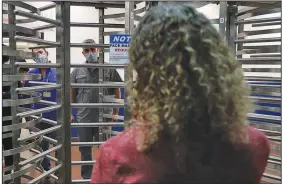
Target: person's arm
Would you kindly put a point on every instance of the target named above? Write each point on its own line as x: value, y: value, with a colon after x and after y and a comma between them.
x: 73, y: 91
x: 116, y: 78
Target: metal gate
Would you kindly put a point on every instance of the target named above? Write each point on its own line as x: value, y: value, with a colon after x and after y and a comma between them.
x: 233, y: 22
x: 253, y: 31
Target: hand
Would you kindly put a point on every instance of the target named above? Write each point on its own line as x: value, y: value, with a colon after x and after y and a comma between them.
x: 114, y: 117
x: 72, y: 118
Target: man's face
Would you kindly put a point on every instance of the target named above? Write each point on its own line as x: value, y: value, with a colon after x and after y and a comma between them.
x: 42, y: 52
x: 90, y: 50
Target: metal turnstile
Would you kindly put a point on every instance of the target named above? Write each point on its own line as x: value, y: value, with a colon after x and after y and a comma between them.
x: 239, y: 24
x: 253, y: 31
x: 20, y: 170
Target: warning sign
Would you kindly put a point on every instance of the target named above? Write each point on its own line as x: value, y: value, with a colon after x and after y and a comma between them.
x: 119, y: 46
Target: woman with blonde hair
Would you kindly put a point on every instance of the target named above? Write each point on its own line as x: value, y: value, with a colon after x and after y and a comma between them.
x: 191, y: 100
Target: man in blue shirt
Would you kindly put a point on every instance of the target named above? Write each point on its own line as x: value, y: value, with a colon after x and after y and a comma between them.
x: 47, y: 75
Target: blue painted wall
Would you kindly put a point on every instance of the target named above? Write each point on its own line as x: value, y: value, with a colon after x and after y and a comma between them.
x: 74, y: 131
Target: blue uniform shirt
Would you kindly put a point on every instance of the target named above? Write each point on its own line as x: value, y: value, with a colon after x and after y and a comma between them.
x: 49, y: 77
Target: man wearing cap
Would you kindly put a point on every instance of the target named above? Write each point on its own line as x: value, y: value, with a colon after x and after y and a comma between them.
x: 91, y: 95
x: 48, y: 75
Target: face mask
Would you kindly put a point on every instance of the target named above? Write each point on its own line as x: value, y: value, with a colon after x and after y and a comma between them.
x: 41, y: 58
x: 91, y: 58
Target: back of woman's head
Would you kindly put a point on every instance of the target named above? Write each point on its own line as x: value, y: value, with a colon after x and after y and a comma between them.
x: 188, y: 83
x: 189, y: 88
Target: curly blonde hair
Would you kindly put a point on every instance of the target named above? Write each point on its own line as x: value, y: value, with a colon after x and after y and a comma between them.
x: 189, y: 87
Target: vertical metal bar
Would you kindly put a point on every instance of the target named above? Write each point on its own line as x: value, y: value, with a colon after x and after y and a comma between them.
x: 223, y: 18
x: 63, y: 94
x: 232, y: 31
x: 101, y: 71
x: 129, y: 28
x: 14, y: 95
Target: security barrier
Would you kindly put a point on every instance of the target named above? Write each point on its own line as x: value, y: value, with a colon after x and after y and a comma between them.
x: 254, y: 33
x: 236, y: 25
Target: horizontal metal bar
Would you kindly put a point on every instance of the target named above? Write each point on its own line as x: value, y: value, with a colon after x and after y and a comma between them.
x: 40, y: 46
x: 104, y: 66
x: 52, y: 141
x: 258, y: 40
x: 36, y: 41
x: 266, y: 99
x: 266, y: 55
x: 103, y: 85
x: 17, y: 53
x: 42, y: 132
x: 37, y: 17
x: 45, y: 174
x: 98, y: 5
x: 111, y: 33
x: 260, y: 59
x: 36, y: 157
x: 99, y: 25
x: 35, y: 88
x: 18, y: 29
x: 270, y: 176
x: 275, y: 158
x: 97, y: 124
x: 278, y: 139
x: 81, y: 181
x: 47, y: 102
x: 20, y: 77
x: 47, y: 7
x: 86, y: 143
x: 265, y: 85
x: 23, y: 5
x: 89, y: 45
x: 47, y: 156
x: 38, y: 111
x: 43, y: 27
x: 258, y: 20
x: 274, y: 162
x: 38, y: 65
x: 267, y: 24
x: 97, y: 105
x: 83, y: 162
x: 51, y: 122
x: 264, y: 117
x: 39, y: 82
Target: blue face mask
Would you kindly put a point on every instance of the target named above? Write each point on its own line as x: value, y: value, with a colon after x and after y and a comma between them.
x: 91, y: 57
x: 41, y: 59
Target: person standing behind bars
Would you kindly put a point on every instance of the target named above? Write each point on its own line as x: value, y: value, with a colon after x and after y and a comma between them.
x: 90, y: 95
x: 47, y: 75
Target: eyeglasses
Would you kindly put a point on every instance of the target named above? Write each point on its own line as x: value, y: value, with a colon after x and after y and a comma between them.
x: 90, y: 49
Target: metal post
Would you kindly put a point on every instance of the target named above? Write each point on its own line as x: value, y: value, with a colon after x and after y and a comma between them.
x: 223, y: 18
x: 14, y: 95
x: 231, y: 27
x: 129, y: 28
x: 63, y: 94
x: 101, y: 70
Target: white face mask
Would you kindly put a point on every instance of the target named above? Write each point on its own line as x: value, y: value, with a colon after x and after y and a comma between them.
x: 91, y: 58
x: 41, y: 59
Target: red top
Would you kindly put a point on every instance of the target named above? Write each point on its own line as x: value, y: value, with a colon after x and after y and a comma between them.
x: 120, y: 162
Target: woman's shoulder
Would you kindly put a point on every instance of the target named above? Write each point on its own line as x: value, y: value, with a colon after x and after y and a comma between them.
x: 257, y: 138
x: 124, y: 140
